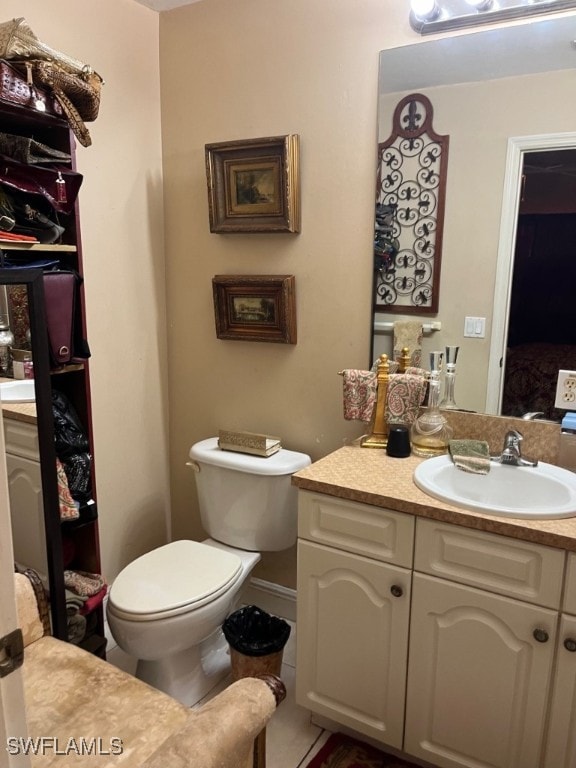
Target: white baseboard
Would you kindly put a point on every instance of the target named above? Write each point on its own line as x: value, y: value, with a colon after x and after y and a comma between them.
x: 272, y: 598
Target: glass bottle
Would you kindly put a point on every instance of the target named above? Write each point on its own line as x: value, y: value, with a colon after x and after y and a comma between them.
x: 430, y: 433
x: 448, y: 402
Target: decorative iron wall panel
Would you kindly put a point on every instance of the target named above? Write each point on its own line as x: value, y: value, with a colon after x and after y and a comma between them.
x: 410, y: 192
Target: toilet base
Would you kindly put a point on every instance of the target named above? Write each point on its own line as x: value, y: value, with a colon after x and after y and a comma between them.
x: 190, y: 675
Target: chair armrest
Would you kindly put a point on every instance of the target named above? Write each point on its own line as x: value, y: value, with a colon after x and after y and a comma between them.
x: 221, y: 733
x: 32, y: 606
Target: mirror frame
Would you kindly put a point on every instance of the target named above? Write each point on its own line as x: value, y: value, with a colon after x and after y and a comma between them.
x: 33, y: 280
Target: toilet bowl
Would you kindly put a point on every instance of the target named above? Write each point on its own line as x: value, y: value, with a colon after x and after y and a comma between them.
x: 166, y: 608
x: 169, y: 620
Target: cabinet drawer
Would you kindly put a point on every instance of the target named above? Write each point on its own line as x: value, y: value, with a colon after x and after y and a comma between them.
x: 21, y: 439
x: 527, y: 571
x: 359, y: 528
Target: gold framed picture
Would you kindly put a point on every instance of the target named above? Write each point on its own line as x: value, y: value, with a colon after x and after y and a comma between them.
x: 253, y: 185
x: 255, y: 307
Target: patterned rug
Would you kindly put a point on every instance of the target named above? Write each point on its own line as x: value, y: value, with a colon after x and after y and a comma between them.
x: 343, y: 752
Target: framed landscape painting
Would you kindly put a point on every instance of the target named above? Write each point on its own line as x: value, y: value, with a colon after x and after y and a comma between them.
x: 255, y: 307
x: 253, y: 185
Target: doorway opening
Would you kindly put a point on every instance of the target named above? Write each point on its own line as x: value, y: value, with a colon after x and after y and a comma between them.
x: 534, y: 320
x: 541, y: 336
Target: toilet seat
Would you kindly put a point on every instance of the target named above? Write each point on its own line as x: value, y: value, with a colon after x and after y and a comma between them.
x: 173, y: 579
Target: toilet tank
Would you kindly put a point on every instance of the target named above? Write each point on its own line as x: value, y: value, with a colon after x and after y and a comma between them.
x: 247, y: 501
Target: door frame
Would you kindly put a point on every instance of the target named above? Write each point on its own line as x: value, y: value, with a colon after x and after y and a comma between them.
x: 518, y: 146
x: 12, y: 709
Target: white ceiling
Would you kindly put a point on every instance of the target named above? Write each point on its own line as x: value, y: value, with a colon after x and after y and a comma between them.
x: 165, y: 5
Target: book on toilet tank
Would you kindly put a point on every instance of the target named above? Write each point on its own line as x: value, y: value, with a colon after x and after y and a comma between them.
x: 248, y: 442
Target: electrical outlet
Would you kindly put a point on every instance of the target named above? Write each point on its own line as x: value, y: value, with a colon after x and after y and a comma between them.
x: 566, y: 390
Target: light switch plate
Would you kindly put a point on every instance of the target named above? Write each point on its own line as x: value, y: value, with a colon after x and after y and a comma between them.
x: 566, y: 390
x: 475, y: 327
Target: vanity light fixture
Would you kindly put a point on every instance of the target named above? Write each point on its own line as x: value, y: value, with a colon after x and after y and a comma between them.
x: 431, y: 16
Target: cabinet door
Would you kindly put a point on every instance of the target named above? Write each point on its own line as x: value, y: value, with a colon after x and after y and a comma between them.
x: 27, y: 512
x: 561, y: 741
x: 478, y: 680
x: 352, y: 622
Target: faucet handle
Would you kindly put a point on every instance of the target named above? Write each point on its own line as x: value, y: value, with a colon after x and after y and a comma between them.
x: 513, y: 438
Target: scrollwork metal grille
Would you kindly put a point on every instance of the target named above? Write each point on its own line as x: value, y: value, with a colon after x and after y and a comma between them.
x: 410, y: 193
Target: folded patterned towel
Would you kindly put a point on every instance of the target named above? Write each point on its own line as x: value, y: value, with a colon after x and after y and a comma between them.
x: 83, y: 583
x: 359, y: 393
x: 404, y: 397
x: 470, y: 456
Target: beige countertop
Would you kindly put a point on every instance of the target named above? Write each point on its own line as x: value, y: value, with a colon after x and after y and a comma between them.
x: 369, y: 476
x: 20, y: 412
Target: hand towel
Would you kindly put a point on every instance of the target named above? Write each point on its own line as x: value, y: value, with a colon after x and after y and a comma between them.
x: 94, y: 601
x: 408, y: 333
x: 470, y: 456
x: 86, y: 584
x: 404, y: 397
x: 76, y: 626
x: 74, y: 602
x: 359, y: 393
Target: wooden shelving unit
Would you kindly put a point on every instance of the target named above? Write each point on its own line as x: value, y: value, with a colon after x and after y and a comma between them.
x: 73, y: 544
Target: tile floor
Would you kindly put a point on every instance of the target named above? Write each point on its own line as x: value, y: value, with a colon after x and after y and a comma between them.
x: 291, y: 739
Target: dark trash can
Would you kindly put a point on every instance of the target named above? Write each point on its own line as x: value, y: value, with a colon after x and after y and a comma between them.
x: 256, y: 642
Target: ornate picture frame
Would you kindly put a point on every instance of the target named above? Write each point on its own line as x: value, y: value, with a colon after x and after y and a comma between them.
x: 254, y: 185
x: 255, y: 307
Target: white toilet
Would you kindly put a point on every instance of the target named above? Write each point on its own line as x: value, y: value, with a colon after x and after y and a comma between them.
x: 167, y: 607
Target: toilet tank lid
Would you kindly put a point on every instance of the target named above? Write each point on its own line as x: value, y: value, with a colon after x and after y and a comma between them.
x: 283, y: 462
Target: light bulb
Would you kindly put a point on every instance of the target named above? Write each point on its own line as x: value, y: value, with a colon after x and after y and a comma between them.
x: 425, y: 9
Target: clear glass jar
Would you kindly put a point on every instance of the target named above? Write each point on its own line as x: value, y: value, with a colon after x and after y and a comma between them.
x: 430, y: 433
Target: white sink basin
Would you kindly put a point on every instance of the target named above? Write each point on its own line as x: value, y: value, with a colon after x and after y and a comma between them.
x: 18, y: 391
x: 536, y: 493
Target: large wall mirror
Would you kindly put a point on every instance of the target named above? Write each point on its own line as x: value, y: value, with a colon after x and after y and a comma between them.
x: 505, y: 98
x: 43, y: 528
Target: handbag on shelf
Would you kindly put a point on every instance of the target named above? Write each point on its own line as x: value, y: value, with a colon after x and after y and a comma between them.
x: 56, y: 183
x: 75, y: 85
x: 24, y: 149
x: 20, y: 222
x: 18, y: 89
x: 18, y: 41
x: 63, y: 320
x: 77, y: 94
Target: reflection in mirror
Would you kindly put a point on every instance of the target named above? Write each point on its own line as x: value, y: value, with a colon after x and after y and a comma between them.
x: 489, y: 89
x: 543, y: 279
x: 26, y: 319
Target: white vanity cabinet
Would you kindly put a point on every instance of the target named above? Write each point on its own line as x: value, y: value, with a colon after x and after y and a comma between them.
x: 26, y: 499
x: 480, y: 658
x: 455, y: 671
x: 561, y: 739
x: 354, y: 576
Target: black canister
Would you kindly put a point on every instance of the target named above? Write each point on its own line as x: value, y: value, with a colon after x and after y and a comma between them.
x: 398, y: 445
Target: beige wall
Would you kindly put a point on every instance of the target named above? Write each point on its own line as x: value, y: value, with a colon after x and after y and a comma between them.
x: 227, y: 69
x: 234, y: 70
x: 480, y: 118
x: 122, y: 231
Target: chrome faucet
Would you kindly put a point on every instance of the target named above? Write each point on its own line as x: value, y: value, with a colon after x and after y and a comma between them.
x: 512, y: 453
